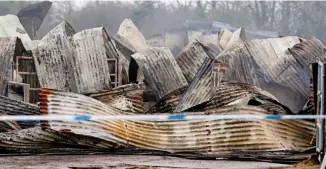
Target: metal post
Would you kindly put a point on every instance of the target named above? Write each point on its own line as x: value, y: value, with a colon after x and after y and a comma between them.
x: 320, y: 107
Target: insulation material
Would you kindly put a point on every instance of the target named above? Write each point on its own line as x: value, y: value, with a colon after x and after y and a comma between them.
x: 161, y: 72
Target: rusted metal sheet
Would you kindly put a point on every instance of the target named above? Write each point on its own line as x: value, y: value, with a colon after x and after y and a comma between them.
x: 168, y: 103
x: 201, y: 87
x: 268, y: 65
x: 16, y: 107
x: 8, y: 125
x: 190, y: 59
x: 161, y: 71
x: 128, y: 98
x: 76, y: 62
x: 10, y: 47
x: 53, y: 59
x: 91, y: 50
x: 36, y: 139
x: 215, y: 138
x: 308, y: 51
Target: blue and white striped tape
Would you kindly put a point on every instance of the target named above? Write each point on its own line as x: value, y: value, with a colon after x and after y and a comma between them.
x: 158, y: 117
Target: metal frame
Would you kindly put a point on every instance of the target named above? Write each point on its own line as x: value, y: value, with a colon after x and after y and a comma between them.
x: 116, y: 82
x: 24, y: 73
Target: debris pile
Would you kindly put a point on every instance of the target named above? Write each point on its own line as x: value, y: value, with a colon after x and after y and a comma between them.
x: 89, y: 73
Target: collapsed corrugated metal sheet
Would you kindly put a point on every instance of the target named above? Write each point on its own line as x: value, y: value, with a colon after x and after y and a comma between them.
x: 136, y: 72
x: 308, y: 51
x: 31, y: 17
x: 10, y: 47
x: 191, y: 58
x: 128, y: 98
x: 76, y: 62
x: 10, y: 26
x: 169, y: 102
x: 35, y: 140
x: 129, y: 39
x: 52, y: 59
x: 161, y: 71
x: 8, y: 125
x: 236, y: 38
x: 250, y: 62
x: 217, y: 138
x: 224, y: 36
x: 91, y: 50
x: 15, y: 107
x: 123, y: 69
x: 200, y: 89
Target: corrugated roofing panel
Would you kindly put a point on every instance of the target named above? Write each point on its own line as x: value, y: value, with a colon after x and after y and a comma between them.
x: 91, y: 50
x: 309, y: 51
x: 16, y: 107
x: 53, y: 59
x: 268, y: 65
x: 215, y: 138
x: 127, y: 98
x: 162, y: 72
x: 130, y: 37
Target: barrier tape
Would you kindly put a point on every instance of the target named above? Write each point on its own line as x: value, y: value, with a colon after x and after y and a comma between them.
x: 157, y: 117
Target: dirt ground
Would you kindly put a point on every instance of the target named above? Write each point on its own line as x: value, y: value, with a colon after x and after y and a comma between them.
x: 307, y: 164
x: 125, y: 162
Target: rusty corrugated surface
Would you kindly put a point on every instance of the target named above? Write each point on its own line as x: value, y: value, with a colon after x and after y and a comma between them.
x: 268, y: 64
x: 201, y: 88
x: 8, y: 125
x: 53, y: 59
x: 16, y: 107
x: 161, y: 71
x: 217, y: 138
x: 127, y: 98
x: 34, y: 140
x: 169, y: 102
x: 190, y: 59
x: 309, y: 51
x: 91, y: 48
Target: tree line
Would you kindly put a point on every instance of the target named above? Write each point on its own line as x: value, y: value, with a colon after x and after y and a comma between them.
x: 301, y: 18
